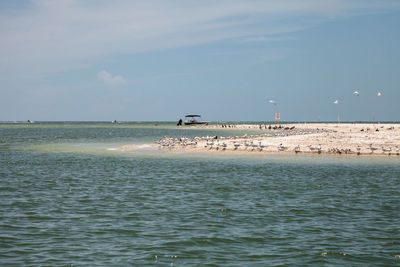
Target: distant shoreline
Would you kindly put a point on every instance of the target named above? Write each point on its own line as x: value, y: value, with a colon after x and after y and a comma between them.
x: 212, y: 123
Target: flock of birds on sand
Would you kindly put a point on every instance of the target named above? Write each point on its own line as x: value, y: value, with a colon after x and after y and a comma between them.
x: 250, y: 143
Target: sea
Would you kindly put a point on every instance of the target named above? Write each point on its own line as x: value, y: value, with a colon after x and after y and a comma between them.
x: 69, y: 197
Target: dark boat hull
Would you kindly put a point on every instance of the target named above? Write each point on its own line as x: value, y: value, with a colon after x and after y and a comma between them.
x: 196, y: 123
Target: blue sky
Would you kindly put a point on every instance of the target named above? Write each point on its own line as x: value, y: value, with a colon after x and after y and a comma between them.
x: 159, y: 60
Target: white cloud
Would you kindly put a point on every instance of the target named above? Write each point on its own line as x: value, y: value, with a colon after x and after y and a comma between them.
x: 109, y: 79
x: 50, y: 35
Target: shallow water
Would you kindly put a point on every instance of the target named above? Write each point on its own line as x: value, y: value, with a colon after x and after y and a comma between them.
x: 66, y: 199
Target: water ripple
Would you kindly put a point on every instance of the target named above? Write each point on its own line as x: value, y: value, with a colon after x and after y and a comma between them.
x: 99, y: 209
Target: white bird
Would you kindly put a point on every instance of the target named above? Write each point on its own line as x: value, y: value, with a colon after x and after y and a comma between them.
x: 236, y: 145
x: 336, y: 102
x: 273, y: 102
x: 372, y: 148
x: 246, y: 144
x: 281, y: 147
x: 356, y: 93
x: 217, y: 145
x: 210, y: 144
x: 253, y: 146
x: 260, y: 146
x: 224, y: 145
x: 379, y: 94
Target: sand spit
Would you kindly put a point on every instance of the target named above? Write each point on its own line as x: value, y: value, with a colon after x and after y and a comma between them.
x: 331, y: 138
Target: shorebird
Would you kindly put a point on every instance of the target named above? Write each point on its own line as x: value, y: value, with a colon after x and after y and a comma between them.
x: 260, y: 146
x: 236, y: 145
x: 246, y: 144
x: 224, y: 146
x: 386, y: 149
x: 297, y: 149
x: 358, y: 149
x: 281, y: 147
x: 210, y: 144
x: 372, y: 148
x: 217, y: 145
x: 253, y: 146
x: 397, y: 150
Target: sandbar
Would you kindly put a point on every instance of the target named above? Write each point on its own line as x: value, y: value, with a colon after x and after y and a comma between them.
x: 379, y: 139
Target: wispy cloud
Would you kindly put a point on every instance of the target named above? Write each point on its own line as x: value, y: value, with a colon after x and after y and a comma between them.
x: 56, y: 35
x: 109, y: 79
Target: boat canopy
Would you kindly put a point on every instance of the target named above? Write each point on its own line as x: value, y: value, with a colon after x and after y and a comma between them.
x: 192, y: 116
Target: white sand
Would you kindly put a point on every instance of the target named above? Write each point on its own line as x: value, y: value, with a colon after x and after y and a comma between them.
x: 334, y: 138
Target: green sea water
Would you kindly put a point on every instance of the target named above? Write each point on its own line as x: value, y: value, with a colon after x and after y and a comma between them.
x: 68, y: 199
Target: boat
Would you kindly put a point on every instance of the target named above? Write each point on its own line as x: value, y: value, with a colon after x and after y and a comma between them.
x: 194, y: 120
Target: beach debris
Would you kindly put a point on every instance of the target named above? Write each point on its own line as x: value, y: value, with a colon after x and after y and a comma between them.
x: 356, y: 93
x: 273, y: 102
x: 336, y: 102
x: 379, y: 93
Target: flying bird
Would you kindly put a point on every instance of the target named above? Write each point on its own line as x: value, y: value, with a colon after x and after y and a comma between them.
x: 272, y: 102
x: 356, y: 93
x: 336, y: 102
x: 379, y: 94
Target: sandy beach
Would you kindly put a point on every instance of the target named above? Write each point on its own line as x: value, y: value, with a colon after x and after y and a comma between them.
x: 332, y: 138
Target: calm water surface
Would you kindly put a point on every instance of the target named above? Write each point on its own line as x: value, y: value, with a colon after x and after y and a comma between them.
x: 65, y: 199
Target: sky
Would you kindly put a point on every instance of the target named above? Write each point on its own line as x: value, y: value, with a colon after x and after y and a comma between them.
x: 157, y: 60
